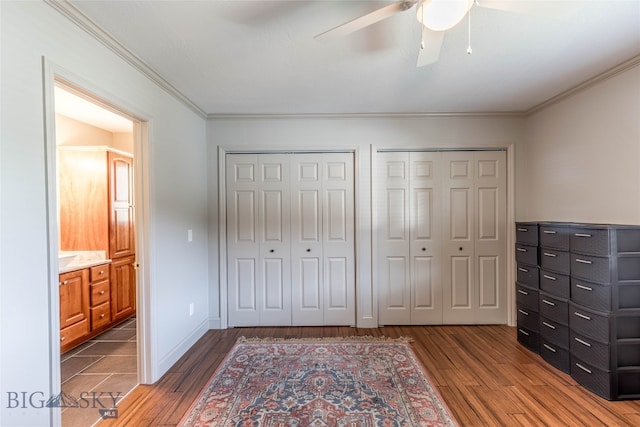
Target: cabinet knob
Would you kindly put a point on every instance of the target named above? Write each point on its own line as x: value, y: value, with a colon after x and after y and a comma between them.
x: 101, y: 292
x: 62, y: 338
x: 102, y: 316
x: 64, y: 282
x: 101, y: 272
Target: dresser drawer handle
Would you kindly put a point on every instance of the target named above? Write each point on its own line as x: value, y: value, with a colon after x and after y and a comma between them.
x: 101, y: 292
x: 521, y: 250
x: 549, y: 277
x: 101, y: 272
x: 586, y: 288
x: 582, y: 235
x: 549, y: 348
x: 583, y: 261
x: 523, y: 292
x: 524, y: 332
x: 550, y: 255
x: 523, y: 312
x: 524, y: 230
x: 102, y: 316
x: 549, y: 325
x: 549, y: 232
x: 524, y: 270
x: 582, y: 315
x: 583, y: 342
x: 548, y: 303
x: 588, y: 371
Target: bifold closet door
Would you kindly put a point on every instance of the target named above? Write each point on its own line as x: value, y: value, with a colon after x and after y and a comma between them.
x: 258, y: 237
x: 290, y: 239
x: 474, y: 240
x: 322, y: 239
x: 410, y: 289
x: 442, y: 236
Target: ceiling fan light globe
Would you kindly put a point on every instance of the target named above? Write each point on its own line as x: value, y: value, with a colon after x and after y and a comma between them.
x: 441, y: 15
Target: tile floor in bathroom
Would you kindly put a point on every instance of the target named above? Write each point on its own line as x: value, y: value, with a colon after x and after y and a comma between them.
x: 99, y: 372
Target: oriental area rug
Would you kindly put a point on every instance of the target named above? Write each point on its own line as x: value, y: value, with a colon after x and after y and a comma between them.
x: 350, y: 382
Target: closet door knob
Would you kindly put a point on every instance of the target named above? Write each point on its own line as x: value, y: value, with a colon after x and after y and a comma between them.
x: 308, y: 250
x: 460, y: 248
x: 424, y: 249
x: 271, y: 250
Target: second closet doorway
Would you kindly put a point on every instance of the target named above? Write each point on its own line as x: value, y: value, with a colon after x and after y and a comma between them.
x: 290, y: 239
x: 442, y: 237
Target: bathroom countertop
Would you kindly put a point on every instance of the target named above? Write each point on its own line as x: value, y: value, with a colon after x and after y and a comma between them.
x: 77, y: 260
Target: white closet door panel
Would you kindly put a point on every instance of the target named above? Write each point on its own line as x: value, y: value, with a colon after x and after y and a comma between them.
x: 490, y: 248
x: 424, y: 233
x: 306, y: 239
x: 458, y: 237
x: 338, y: 239
x: 394, y: 280
x: 243, y: 253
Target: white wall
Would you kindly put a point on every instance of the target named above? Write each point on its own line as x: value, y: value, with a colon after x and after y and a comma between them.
x: 583, y: 156
x: 176, y: 173
x: 362, y: 134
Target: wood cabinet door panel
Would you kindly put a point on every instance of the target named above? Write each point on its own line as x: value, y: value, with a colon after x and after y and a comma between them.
x: 123, y: 288
x: 74, y: 297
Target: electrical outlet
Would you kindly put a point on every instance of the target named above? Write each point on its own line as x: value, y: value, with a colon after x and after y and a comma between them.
x: 191, y: 309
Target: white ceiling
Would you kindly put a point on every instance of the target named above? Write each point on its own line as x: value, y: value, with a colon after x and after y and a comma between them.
x: 260, y: 57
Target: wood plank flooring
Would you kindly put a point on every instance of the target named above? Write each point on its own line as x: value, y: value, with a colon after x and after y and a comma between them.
x: 483, y: 374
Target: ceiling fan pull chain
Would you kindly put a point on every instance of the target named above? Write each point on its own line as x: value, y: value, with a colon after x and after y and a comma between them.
x: 469, y: 50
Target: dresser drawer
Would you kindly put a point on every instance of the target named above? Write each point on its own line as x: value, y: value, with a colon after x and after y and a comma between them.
x: 591, y: 351
x: 589, y: 323
x: 594, y: 241
x: 526, y: 254
x: 597, y: 380
x: 555, y: 284
x: 552, y: 236
x: 528, y: 319
x: 555, y: 355
x: 100, y: 315
x: 526, y: 297
x: 74, y: 332
x: 591, y: 268
x: 99, y: 293
x: 554, y: 332
x: 591, y: 295
x: 527, y: 233
x: 528, y: 275
x: 99, y: 272
x: 553, y: 308
x: 555, y: 260
x: 529, y: 339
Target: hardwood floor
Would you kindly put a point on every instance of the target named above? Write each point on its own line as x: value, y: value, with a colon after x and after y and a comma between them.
x: 483, y: 374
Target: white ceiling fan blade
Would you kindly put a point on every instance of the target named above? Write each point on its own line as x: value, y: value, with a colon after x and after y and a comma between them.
x: 368, y: 19
x: 542, y: 9
x: 429, y: 46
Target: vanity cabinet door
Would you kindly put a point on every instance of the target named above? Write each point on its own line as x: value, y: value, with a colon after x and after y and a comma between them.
x: 123, y: 288
x: 74, y: 306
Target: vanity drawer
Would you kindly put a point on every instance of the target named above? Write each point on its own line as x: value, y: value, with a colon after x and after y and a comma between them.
x: 528, y: 275
x: 555, y: 260
x: 591, y: 295
x: 554, y: 332
x: 555, y: 284
x: 528, y: 319
x: 556, y: 356
x: 526, y: 297
x: 527, y: 233
x: 99, y: 293
x: 590, y: 323
x: 554, y: 237
x: 99, y: 272
x: 553, y: 308
x: 73, y: 332
x: 526, y: 254
x: 100, y: 315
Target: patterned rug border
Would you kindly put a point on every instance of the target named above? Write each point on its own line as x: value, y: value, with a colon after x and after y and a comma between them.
x: 242, y: 340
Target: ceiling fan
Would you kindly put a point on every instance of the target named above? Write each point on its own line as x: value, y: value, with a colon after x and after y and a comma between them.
x: 435, y: 16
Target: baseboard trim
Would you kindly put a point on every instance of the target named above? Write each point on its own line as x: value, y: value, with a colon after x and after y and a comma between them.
x: 166, y: 362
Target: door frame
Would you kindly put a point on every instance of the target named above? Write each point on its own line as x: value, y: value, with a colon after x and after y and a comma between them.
x: 222, y: 221
x: 510, y: 237
x: 52, y: 74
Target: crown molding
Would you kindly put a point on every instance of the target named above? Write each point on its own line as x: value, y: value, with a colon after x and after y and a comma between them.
x: 91, y: 28
x: 232, y: 116
x: 611, y: 72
